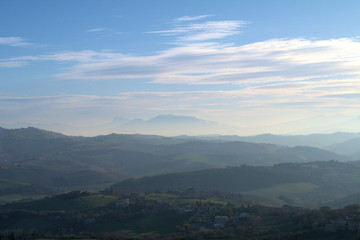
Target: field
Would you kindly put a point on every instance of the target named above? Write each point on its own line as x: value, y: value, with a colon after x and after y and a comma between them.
x: 68, y: 203
x: 288, y: 188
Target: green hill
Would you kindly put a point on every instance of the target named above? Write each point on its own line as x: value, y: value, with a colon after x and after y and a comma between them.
x: 350, y: 147
x: 177, y: 215
x: 57, y: 163
x: 345, y: 201
x: 73, y: 201
x: 309, y: 185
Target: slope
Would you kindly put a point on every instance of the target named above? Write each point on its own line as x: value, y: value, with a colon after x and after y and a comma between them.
x: 61, y: 163
x: 309, y: 184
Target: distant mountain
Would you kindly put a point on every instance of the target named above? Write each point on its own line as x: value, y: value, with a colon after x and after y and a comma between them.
x: 308, y: 185
x: 168, y: 119
x: 313, y: 140
x: 350, y: 148
x: 341, y: 143
x: 169, y: 125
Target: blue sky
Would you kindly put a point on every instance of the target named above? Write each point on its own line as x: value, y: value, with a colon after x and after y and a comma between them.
x: 276, y: 66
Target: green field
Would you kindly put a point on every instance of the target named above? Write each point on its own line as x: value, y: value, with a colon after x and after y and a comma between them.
x: 68, y: 204
x: 192, y: 158
x: 160, y: 223
x: 281, y: 189
x: 171, y: 198
x: 6, y: 184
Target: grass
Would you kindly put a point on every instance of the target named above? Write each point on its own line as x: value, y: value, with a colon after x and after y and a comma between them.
x: 54, y: 204
x: 97, y: 200
x: 199, y: 158
x: 207, y: 200
x: 287, y: 188
x: 142, y: 225
x: 171, y: 198
x: 91, y: 187
x: 11, y: 197
x: 161, y: 197
x: 191, y: 158
x: 267, y: 201
x: 8, y: 198
x: 163, y: 223
x: 6, y: 184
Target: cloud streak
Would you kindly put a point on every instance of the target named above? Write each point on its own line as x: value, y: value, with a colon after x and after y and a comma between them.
x: 272, y: 78
x: 98, y: 30
x: 14, y: 42
x: 205, y: 31
x: 193, y: 18
x: 265, y: 62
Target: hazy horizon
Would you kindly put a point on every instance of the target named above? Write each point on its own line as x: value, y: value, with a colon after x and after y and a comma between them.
x: 145, y: 127
x: 248, y: 67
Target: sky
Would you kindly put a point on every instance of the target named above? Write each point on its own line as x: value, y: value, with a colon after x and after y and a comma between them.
x: 280, y: 66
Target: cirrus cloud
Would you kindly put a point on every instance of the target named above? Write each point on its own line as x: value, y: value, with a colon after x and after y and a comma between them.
x: 192, y: 18
x: 198, y: 60
x: 277, y: 85
x: 14, y: 41
x: 208, y: 63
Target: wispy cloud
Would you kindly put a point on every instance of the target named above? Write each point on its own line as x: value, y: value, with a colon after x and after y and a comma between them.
x: 259, y: 63
x: 193, y: 18
x: 98, y: 30
x: 12, y: 64
x: 103, y: 32
x: 14, y: 41
x: 270, y: 79
x: 270, y: 61
x: 205, y: 31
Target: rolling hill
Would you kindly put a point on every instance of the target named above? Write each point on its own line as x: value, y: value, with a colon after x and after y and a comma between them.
x: 58, y: 163
x: 323, y: 141
x: 349, y: 148
x: 307, y: 185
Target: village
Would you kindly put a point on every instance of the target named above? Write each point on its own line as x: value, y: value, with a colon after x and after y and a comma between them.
x: 176, y: 214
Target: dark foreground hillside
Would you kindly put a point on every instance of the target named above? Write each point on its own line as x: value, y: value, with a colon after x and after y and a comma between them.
x: 174, y: 215
x: 308, y: 184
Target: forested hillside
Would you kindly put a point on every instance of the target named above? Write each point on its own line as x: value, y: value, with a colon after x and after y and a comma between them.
x: 52, y: 163
x: 309, y: 185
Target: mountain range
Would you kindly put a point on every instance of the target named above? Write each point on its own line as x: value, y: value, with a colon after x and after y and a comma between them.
x: 170, y: 125
x: 339, y: 142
